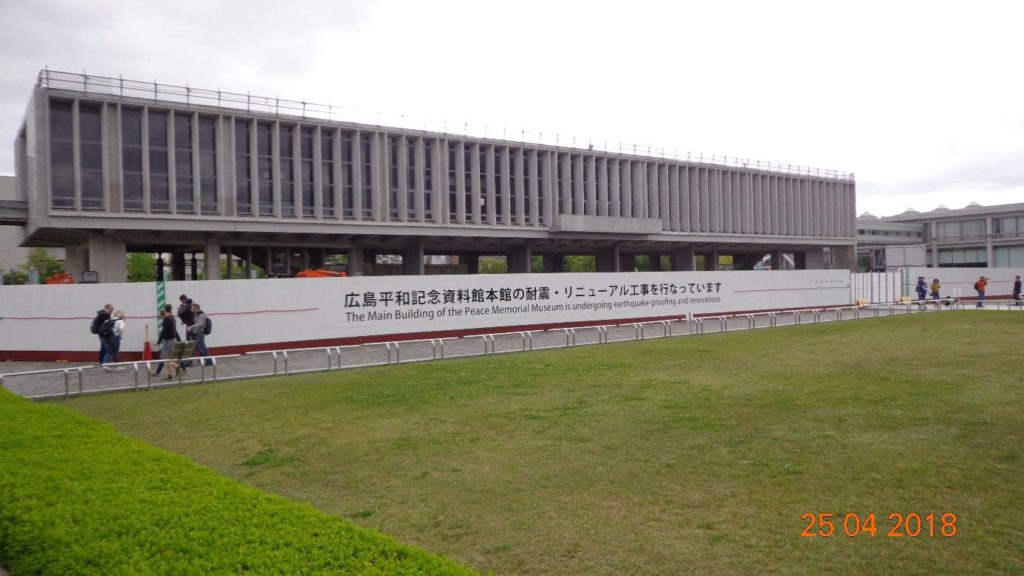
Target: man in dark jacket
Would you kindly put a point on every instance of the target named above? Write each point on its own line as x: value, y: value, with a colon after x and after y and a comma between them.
x: 167, y: 337
x: 1016, y: 290
x: 186, y: 315
x: 101, y: 317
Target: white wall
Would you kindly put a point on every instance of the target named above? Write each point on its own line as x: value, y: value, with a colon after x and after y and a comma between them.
x: 254, y: 312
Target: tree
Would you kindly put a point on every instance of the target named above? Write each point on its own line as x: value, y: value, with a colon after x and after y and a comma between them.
x: 238, y: 271
x: 493, y: 265
x: 141, y: 267
x: 580, y: 264
x: 41, y: 260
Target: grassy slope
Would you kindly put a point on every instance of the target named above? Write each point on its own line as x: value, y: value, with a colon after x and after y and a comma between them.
x: 77, y: 498
x: 683, y: 455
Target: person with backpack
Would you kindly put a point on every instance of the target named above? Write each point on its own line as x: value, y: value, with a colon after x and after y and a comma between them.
x: 114, y: 327
x: 200, y: 329
x: 102, y: 316
x: 107, y: 333
x: 1016, y: 290
x: 980, y: 286
x: 186, y: 315
x: 166, y: 339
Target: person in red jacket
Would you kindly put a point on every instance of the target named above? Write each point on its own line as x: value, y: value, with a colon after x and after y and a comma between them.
x: 980, y: 286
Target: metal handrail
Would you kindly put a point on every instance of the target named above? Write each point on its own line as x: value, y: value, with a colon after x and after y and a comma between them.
x: 438, y: 348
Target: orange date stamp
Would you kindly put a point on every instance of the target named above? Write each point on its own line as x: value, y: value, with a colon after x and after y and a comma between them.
x: 852, y: 525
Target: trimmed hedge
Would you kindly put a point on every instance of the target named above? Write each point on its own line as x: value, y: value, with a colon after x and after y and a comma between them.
x: 78, y: 498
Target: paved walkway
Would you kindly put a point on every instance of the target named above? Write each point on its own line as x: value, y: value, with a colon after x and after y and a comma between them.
x: 72, y: 379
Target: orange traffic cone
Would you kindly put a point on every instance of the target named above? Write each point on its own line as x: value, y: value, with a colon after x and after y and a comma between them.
x: 147, y: 351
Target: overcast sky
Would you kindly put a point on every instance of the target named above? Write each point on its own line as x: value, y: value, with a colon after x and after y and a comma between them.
x: 923, y: 101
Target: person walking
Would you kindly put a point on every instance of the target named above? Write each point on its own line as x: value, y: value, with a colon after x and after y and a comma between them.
x: 980, y: 286
x: 113, y: 330
x: 198, y: 330
x: 102, y: 315
x: 166, y: 339
x: 186, y: 315
x: 935, y: 289
x: 1016, y: 290
x: 922, y: 288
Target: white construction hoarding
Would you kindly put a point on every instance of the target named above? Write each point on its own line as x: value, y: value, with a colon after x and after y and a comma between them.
x: 253, y: 314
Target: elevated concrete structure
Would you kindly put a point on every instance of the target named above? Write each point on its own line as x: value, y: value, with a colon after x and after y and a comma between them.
x: 109, y: 165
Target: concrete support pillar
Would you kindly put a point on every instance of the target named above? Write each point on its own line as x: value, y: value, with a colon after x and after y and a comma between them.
x: 177, y: 266
x: 520, y: 259
x: 817, y: 259
x: 412, y: 258
x: 843, y: 259
x: 554, y: 262
x: 248, y: 263
x: 627, y: 262
x: 76, y: 261
x: 935, y: 243
x: 317, y: 258
x: 211, y: 260
x: 607, y: 260
x: 194, y: 264
x: 684, y: 260
x: 356, y: 258
x: 712, y: 264
x: 472, y: 262
x: 230, y: 263
x: 800, y: 261
x: 109, y: 259
x: 777, y: 260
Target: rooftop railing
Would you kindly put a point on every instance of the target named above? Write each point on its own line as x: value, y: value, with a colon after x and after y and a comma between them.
x: 188, y: 95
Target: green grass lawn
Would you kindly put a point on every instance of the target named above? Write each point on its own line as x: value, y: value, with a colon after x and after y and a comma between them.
x: 687, y: 455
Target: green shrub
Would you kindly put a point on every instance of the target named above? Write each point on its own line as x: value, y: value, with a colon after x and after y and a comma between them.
x: 78, y: 498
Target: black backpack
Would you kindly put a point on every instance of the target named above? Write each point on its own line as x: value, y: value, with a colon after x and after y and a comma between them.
x: 107, y: 328
x: 208, y: 327
x: 97, y: 322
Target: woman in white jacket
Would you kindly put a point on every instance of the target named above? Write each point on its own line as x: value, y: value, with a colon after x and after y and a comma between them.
x: 115, y: 341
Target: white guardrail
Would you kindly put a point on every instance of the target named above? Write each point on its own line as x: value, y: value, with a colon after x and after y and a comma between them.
x: 139, y: 375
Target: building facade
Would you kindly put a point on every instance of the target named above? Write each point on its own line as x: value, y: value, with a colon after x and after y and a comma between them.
x: 106, y: 166
x: 975, y: 236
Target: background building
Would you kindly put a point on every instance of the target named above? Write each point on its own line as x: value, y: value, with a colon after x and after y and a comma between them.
x: 107, y: 166
x: 971, y: 237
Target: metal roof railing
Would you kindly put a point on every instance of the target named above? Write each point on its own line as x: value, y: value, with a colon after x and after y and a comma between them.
x: 188, y: 95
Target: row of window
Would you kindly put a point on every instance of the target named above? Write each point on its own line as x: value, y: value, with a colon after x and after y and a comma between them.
x: 1002, y: 227
x: 889, y: 233
x: 481, y: 179
x: 1003, y: 257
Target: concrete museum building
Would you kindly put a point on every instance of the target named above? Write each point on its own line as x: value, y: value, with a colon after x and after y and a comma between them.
x: 107, y: 166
